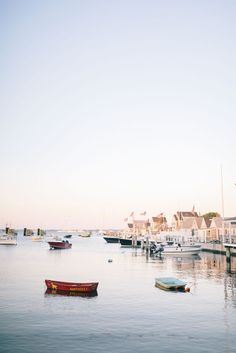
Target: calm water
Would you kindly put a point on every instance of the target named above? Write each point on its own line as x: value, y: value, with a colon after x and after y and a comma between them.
x: 129, y: 314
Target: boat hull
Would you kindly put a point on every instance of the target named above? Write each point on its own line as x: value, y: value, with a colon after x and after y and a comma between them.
x: 71, y: 286
x: 111, y: 239
x: 8, y: 242
x: 170, y: 283
x: 128, y: 242
x: 182, y: 250
x: 59, y: 245
x: 71, y: 294
x: 37, y: 238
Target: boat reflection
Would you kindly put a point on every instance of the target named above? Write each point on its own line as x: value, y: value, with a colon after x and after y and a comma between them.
x: 186, y: 258
x: 70, y: 294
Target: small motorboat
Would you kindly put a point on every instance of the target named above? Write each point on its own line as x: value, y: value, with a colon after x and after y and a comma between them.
x: 175, y: 249
x: 9, y: 237
x: 171, y: 283
x: 8, y: 240
x: 71, y: 286
x: 63, y: 244
x: 85, y: 233
x: 68, y: 236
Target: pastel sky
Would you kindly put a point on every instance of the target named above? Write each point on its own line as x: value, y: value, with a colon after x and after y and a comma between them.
x: 109, y: 107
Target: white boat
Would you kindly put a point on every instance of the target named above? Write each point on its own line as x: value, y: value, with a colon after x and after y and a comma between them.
x: 9, y: 237
x: 6, y: 239
x: 84, y: 233
x: 175, y: 249
x: 181, y: 249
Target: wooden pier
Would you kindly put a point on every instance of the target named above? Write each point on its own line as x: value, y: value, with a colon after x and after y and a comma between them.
x: 229, y: 248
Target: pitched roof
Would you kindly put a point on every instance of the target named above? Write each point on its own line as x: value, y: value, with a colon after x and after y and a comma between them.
x: 187, y: 223
x: 139, y: 221
x: 159, y: 219
x: 198, y: 221
x: 208, y: 222
x: 183, y: 214
x: 216, y: 221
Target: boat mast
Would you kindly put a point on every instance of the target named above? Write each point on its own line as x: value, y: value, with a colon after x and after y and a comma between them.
x: 223, y: 210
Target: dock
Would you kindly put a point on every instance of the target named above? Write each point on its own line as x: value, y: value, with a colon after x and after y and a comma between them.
x: 230, y: 251
x: 218, y: 248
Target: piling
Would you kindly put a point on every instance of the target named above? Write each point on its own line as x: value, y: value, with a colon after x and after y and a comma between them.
x: 228, y: 258
x: 134, y: 241
x: 142, y: 244
x: 147, y: 245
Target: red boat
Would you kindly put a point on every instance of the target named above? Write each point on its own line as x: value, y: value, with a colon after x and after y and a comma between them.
x: 64, y: 244
x: 55, y: 292
x: 72, y: 286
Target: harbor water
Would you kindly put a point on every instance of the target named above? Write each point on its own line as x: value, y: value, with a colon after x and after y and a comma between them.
x: 128, y: 314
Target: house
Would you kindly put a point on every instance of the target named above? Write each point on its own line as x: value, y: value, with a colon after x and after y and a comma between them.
x: 137, y: 226
x: 223, y: 230
x: 158, y: 224
x: 215, y: 229
x: 204, y: 232
x: 181, y: 217
x: 143, y: 224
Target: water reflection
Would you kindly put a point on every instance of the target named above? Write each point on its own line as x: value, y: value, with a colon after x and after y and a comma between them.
x: 70, y: 294
x: 205, y: 266
x: 230, y: 288
x: 185, y: 258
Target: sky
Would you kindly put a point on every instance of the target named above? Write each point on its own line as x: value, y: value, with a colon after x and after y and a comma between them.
x: 109, y: 107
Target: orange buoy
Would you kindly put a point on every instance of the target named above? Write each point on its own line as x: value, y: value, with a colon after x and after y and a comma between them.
x: 187, y: 289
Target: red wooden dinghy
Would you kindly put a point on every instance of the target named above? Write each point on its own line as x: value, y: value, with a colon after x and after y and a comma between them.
x: 64, y: 244
x: 54, y: 292
x: 72, y: 286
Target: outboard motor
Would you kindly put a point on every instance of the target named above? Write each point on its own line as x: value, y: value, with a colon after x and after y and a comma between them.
x: 154, y: 249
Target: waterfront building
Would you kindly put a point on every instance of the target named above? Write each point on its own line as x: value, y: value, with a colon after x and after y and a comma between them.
x: 204, y: 229
x: 138, y: 226
x: 204, y: 232
x: 158, y: 224
x: 141, y: 224
x: 185, y: 226
x: 223, y: 229
x: 181, y: 218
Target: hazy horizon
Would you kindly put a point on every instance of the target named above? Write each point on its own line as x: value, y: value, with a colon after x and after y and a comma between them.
x: 113, y: 107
